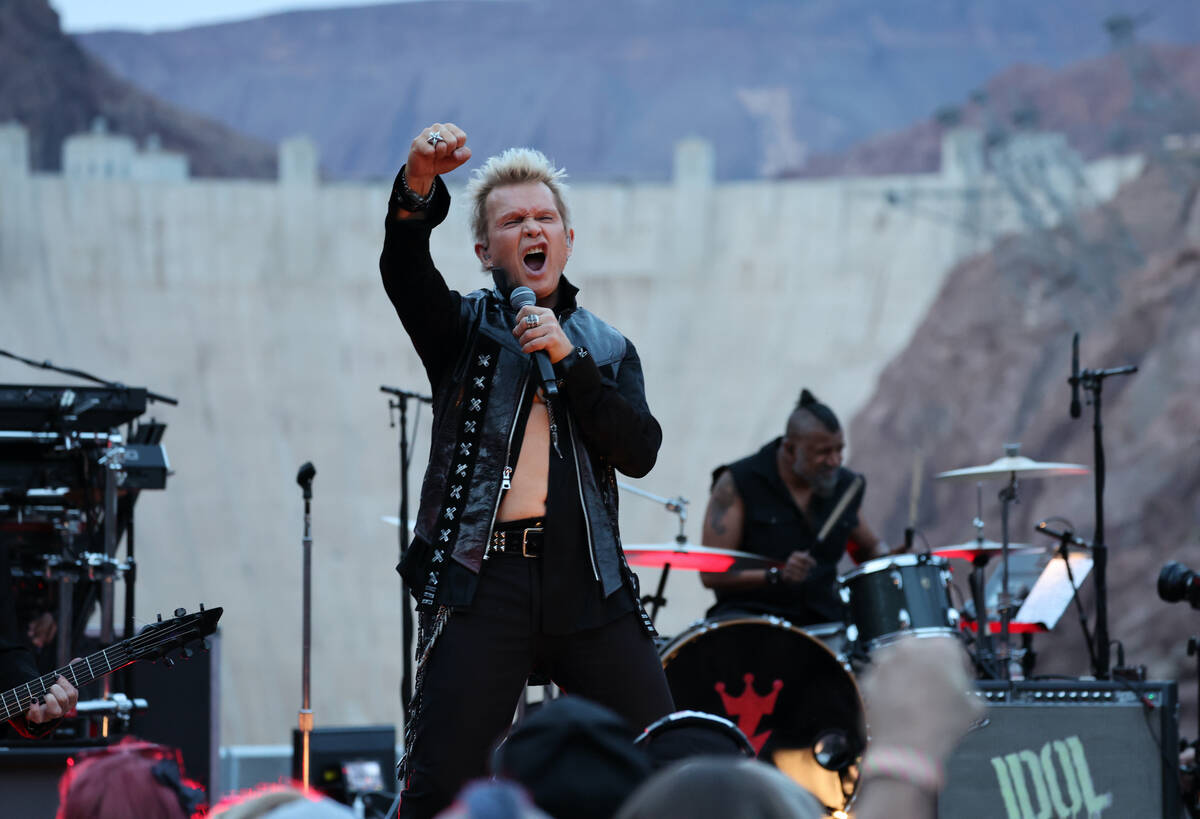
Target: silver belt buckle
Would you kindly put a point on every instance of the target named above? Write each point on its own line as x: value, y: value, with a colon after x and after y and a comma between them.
x: 525, y: 540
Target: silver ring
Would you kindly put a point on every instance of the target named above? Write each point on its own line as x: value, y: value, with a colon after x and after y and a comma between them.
x: 434, y: 138
x: 533, y: 320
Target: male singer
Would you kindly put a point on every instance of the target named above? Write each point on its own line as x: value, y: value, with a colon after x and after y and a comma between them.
x: 516, y: 564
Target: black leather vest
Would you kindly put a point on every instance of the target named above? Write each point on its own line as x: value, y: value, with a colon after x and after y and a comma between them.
x: 475, y: 409
x: 775, y: 527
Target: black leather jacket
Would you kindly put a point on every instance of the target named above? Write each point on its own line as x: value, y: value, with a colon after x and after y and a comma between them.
x: 478, y: 374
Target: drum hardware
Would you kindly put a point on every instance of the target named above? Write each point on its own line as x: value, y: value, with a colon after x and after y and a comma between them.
x: 678, y: 506
x: 1009, y: 467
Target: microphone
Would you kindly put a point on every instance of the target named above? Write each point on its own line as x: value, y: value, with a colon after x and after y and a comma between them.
x: 305, y: 477
x: 523, y: 297
x: 1076, y: 409
x: 1066, y: 537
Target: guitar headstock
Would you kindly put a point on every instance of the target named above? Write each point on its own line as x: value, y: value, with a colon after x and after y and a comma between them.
x: 157, y: 639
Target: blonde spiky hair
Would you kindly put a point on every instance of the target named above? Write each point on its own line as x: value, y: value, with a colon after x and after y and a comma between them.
x: 513, y: 167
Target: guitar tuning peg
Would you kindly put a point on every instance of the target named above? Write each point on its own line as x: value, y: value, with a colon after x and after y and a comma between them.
x: 160, y: 617
x: 205, y: 645
x: 180, y: 612
x: 188, y: 653
x: 201, y: 607
x: 168, y: 662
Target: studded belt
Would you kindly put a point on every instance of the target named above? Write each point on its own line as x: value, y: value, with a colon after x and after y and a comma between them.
x: 523, y: 541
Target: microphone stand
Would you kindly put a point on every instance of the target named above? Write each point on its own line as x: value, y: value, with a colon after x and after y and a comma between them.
x: 406, y: 618
x: 116, y: 385
x: 1093, y: 382
x: 305, y: 478
x: 1066, y: 539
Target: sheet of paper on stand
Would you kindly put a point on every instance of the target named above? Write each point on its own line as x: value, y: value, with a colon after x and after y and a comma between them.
x: 1052, y: 593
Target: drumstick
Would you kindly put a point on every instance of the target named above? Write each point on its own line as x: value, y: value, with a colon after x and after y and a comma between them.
x: 914, y: 489
x: 842, y: 503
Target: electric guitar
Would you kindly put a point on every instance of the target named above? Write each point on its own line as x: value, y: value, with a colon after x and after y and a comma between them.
x: 151, y: 643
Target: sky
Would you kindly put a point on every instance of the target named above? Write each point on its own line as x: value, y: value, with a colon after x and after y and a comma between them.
x: 150, y: 15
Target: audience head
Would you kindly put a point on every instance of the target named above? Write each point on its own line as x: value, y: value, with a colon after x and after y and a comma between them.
x: 576, y: 758
x: 687, y: 734
x: 721, y: 788
x: 492, y: 800
x: 279, y: 802
x: 131, y: 778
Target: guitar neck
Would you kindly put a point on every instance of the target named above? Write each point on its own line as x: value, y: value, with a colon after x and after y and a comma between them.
x: 17, y: 701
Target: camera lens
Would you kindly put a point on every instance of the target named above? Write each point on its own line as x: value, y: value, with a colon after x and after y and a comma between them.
x: 1173, y: 581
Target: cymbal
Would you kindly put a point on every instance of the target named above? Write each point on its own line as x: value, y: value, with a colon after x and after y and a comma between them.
x: 1011, y: 465
x: 697, y: 558
x: 974, y: 548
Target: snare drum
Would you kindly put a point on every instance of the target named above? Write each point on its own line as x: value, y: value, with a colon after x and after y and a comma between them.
x: 786, y: 691
x: 896, y: 595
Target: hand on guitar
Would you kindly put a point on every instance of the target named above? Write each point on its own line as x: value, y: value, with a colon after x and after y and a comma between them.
x: 58, y: 702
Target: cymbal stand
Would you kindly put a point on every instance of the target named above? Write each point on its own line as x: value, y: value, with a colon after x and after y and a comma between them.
x: 678, y: 505
x: 985, y: 654
x: 1008, y: 496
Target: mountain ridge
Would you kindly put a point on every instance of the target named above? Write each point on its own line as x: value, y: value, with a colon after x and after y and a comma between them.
x: 55, y: 89
x: 606, y: 87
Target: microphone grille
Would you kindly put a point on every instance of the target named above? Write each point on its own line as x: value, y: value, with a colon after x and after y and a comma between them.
x: 521, y: 297
x: 306, y: 474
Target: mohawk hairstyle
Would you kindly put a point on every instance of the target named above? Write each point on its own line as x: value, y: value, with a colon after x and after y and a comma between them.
x: 822, y: 413
x: 513, y: 167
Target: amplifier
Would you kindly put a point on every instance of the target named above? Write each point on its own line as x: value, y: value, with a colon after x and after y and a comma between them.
x: 1059, y: 749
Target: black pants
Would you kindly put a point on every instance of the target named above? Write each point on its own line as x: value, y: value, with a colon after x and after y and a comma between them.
x: 479, y: 666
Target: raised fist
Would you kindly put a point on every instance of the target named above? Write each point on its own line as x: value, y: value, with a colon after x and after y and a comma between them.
x: 437, y: 150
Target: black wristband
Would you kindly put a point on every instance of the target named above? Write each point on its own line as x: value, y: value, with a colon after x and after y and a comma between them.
x: 410, y: 200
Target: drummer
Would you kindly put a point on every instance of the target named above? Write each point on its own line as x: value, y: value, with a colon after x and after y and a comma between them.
x: 792, y: 502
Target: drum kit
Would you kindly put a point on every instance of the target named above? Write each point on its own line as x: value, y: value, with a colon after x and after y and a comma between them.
x: 791, y: 689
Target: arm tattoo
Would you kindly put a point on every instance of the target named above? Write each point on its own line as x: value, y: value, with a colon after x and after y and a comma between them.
x: 723, y: 498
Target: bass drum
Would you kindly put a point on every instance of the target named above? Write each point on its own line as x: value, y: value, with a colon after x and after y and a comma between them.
x: 787, y: 692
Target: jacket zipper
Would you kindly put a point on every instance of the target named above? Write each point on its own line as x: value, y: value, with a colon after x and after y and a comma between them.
x: 507, y: 474
x: 587, y: 524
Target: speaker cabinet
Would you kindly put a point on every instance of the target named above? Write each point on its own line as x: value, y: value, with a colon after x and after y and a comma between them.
x: 346, y: 760
x: 183, y: 709
x: 1053, y: 750
x: 29, y: 774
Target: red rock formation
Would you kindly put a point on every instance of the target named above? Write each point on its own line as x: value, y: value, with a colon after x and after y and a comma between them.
x: 989, y: 365
x: 53, y: 87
